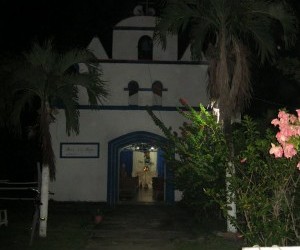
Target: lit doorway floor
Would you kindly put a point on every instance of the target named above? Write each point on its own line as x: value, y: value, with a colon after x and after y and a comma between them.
x: 143, y: 196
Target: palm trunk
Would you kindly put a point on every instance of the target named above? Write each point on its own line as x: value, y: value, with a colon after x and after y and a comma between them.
x: 48, y: 166
x: 225, y: 111
x: 231, y: 212
x: 44, y: 201
x: 230, y: 170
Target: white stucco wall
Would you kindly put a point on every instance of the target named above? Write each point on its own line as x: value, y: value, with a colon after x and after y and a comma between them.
x: 125, y: 47
x: 80, y: 179
x: 121, y: 41
x: 97, y: 49
x: 86, y: 179
x: 181, y: 81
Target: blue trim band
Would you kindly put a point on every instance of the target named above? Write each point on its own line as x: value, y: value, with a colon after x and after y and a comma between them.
x: 146, y: 89
x: 152, y: 62
x: 132, y: 107
x: 133, y: 28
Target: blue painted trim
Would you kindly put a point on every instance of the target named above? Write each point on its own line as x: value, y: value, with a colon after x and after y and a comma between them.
x: 146, y: 89
x: 114, y: 147
x: 131, y: 107
x: 79, y: 143
x: 152, y: 62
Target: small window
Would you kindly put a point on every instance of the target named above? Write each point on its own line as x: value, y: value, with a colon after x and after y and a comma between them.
x: 157, y: 89
x: 145, y: 48
x: 133, y: 90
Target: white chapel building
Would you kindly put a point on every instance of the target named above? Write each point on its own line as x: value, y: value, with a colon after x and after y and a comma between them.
x: 116, y: 157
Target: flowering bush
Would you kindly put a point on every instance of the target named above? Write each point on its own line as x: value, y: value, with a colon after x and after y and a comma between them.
x: 266, y: 190
x: 288, y: 135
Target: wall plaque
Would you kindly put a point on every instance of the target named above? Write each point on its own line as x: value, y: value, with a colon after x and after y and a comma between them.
x: 79, y: 150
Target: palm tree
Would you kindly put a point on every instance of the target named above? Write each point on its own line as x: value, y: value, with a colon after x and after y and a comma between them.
x: 51, y: 77
x: 227, y: 31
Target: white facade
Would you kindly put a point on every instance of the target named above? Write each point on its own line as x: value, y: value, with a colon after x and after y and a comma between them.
x: 86, y: 179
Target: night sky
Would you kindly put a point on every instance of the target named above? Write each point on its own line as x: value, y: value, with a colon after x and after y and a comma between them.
x: 74, y: 24
x: 70, y: 23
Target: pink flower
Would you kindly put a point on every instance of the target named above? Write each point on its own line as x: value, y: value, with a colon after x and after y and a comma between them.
x: 283, y: 116
x: 298, y: 113
x: 243, y: 160
x: 287, y: 131
x: 276, y: 150
x: 289, y: 150
x: 275, y: 122
x: 281, y: 138
x: 293, y: 119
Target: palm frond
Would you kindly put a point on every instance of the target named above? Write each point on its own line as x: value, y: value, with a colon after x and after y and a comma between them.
x: 22, y: 99
x: 258, y: 22
x: 263, y: 41
x: 229, y: 27
x: 240, y: 91
x: 31, y: 79
x: 95, y: 86
x: 42, y: 56
x: 72, y: 117
x: 174, y: 19
x: 199, y: 34
x: 90, y: 81
x: 71, y: 58
x: 68, y: 98
x: 45, y: 73
x: 287, y: 20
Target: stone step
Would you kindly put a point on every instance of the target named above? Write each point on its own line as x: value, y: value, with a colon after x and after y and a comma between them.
x: 137, y: 231
x: 126, y: 224
x: 134, y: 244
x: 139, y: 235
x: 141, y: 225
x: 135, y: 241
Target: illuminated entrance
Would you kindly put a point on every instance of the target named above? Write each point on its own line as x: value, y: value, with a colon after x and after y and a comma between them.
x: 121, y: 164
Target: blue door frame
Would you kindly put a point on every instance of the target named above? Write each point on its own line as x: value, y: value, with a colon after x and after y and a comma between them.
x: 114, y: 147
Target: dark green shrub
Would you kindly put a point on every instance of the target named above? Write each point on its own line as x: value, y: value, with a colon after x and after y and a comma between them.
x: 200, y: 156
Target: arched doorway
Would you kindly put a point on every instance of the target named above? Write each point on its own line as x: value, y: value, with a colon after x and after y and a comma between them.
x: 114, y: 147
